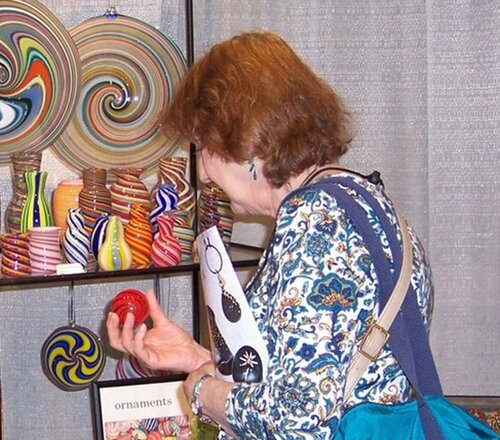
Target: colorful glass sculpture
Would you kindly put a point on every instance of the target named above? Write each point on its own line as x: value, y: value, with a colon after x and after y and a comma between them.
x: 128, y: 190
x: 76, y: 240
x: 98, y: 234
x: 65, y: 197
x: 94, y: 198
x: 73, y: 357
x: 45, y: 251
x: 36, y: 211
x: 15, y: 255
x: 21, y: 162
x: 115, y: 253
x: 166, y: 199
x: 130, y: 301
x: 173, y: 169
x: 139, y: 236
x: 166, y: 249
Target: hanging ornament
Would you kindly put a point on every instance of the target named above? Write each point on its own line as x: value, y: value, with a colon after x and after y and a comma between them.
x: 72, y: 356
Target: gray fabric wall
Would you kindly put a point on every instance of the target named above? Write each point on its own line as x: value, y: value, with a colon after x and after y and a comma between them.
x: 422, y: 78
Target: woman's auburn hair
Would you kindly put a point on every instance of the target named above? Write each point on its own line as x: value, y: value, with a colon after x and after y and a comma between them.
x: 252, y: 96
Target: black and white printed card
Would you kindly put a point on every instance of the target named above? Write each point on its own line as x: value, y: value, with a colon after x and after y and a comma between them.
x: 237, y: 345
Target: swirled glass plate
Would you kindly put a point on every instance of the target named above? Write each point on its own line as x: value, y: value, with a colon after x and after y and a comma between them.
x: 39, y: 77
x: 130, y: 71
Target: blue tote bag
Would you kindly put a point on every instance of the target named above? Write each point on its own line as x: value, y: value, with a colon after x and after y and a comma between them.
x: 430, y: 416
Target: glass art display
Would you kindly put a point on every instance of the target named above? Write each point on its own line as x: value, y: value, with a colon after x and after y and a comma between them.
x: 128, y: 190
x: 115, y: 253
x: 72, y: 356
x: 15, y: 255
x: 44, y: 249
x: 165, y: 200
x: 94, y: 198
x: 65, y: 197
x: 129, y: 73
x: 184, y: 234
x: 40, y: 77
x: 98, y: 234
x: 21, y: 162
x: 139, y: 236
x: 173, y: 169
x: 76, y: 240
x: 166, y: 249
x: 36, y: 211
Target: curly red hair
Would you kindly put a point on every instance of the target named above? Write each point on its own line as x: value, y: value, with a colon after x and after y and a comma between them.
x: 252, y: 96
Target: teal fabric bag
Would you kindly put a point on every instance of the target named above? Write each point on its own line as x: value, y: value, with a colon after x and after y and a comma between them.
x: 430, y: 416
x: 371, y: 421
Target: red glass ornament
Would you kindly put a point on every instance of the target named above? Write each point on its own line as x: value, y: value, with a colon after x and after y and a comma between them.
x: 133, y: 301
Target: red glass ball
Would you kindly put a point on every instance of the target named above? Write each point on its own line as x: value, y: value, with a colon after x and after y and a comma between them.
x: 133, y: 301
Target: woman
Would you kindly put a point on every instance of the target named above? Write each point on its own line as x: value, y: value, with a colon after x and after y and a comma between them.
x: 265, y: 126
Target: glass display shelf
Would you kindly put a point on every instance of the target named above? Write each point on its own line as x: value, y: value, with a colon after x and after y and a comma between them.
x: 242, y: 256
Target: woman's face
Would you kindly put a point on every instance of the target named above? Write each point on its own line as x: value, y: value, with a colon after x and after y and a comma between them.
x: 247, y: 194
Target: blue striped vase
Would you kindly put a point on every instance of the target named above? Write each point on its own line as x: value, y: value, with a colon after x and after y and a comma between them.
x: 166, y: 199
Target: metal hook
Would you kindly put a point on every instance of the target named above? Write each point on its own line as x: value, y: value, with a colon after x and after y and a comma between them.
x: 157, y: 288
x: 111, y: 12
x: 71, y: 306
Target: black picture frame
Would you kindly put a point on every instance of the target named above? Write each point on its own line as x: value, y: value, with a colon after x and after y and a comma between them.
x: 114, y: 401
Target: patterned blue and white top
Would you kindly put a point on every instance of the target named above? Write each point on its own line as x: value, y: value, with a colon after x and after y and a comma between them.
x: 313, y: 297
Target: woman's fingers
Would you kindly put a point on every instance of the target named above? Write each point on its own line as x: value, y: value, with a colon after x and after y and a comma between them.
x: 140, y: 349
x: 112, y: 326
x: 156, y: 313
x: 127, y: 337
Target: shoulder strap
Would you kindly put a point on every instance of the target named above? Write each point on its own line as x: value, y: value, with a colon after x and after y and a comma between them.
x: 408, y: 337
x: 378, y: 332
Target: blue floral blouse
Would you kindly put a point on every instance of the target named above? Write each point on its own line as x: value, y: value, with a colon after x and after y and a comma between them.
x: 313, y: 297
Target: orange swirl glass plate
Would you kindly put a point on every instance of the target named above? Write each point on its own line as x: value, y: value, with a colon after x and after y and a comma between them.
x: 130, y: 71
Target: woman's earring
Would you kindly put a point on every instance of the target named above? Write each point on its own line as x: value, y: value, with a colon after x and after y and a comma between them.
x: 252, y: 168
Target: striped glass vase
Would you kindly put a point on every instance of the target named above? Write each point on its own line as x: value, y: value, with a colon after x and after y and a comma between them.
x: 36, y: 211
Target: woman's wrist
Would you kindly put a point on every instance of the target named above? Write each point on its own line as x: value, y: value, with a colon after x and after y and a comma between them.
x: 196, y: 405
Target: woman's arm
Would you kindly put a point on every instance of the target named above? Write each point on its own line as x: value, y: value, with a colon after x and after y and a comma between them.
x: 311, y: 303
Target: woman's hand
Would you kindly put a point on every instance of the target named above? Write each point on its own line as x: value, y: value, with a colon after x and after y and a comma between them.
x: 165, y: 346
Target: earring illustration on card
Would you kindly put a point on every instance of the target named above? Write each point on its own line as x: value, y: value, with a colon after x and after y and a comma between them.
x: 222, y: 354
x: 247, y: 366
x: 230, y: 307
